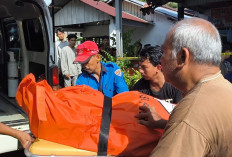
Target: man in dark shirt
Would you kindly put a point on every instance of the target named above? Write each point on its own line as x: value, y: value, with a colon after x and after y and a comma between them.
x: 153, y: 82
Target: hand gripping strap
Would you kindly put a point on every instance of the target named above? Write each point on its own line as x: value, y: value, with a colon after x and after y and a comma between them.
x: 105, y: 127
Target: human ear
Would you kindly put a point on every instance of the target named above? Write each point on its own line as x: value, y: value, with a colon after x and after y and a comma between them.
x: 98, y: 57
x: 183, y: 57
x: 159, y: 67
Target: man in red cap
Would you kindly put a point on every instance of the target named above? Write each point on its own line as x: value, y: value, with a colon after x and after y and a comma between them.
x: 105, y: 77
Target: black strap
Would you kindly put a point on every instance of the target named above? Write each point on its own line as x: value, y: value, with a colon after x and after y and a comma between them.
x: 105, y: 126
x: 100, y: 84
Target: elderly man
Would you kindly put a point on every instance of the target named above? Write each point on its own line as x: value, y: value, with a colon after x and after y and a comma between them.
x: 201, y: 124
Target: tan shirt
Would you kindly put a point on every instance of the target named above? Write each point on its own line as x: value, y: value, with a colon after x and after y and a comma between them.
x: 201, y: 124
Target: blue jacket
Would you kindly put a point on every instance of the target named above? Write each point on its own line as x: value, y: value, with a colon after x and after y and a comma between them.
x: 111, y: 81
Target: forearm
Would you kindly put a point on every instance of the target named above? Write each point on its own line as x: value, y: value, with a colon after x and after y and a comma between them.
x: 6, y: 130
x: 160, y: 124
x: 22, y: 136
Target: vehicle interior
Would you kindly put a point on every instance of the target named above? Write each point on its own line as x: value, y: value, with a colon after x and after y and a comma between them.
x: 23, y: 47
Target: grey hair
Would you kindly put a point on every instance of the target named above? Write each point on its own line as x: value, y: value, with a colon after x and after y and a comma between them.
x: 204, y: 44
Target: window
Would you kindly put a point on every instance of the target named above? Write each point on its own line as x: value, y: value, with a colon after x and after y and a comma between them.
x: 12, y: 35
x: 1, y: 48
x: 12, y: 39
x: 33, y: 35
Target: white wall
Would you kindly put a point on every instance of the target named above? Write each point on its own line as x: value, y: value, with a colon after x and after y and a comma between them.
x: 96, y: 31
x: 152, y: 34
x: 77, y: 12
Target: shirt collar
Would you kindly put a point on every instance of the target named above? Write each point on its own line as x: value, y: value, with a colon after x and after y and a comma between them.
x: 103, y: 69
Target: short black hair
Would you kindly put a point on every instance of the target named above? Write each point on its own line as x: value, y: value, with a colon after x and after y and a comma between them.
x: 153, y: 53
x: 70, y: 36
x: 105, y: 37
x: 60, y: 29
x: 226, y: 47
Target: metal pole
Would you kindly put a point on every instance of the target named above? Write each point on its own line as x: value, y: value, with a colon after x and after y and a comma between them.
x: 53, y: 21
x: 180, y: 12
x: 118, y: 16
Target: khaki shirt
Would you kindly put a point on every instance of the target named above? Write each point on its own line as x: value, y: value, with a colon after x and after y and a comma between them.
x: 201, y: 124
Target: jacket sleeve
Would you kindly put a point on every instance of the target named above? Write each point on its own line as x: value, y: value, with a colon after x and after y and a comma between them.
x: 64, y: 62
x: 181, y: 140
x: 80, y: 80
x: 119, y: 81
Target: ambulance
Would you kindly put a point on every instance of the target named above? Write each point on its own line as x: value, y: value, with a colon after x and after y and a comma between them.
x: 26, y: 46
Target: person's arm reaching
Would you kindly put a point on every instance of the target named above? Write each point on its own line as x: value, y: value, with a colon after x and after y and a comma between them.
x: 150, y: 118
x: 22, y: 136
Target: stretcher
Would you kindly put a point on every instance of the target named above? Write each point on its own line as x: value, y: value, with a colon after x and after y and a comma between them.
x: 44, y: 148
x: 83, y: 118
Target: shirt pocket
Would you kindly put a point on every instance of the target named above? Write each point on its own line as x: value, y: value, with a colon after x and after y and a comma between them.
x: 108, y: 88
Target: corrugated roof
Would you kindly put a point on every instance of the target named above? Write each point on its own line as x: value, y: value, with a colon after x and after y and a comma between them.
x: 136, y: 2
x: 111, y: 10
x: 169, y: 12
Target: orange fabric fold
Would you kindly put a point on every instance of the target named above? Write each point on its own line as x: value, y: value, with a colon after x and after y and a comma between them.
x: 72, y: 116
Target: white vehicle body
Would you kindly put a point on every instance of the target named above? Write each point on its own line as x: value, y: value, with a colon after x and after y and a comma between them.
x: 26, y: 34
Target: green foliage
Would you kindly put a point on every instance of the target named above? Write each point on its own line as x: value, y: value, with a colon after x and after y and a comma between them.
x: 79, y: 39
x: 172, y: 5
x: 129, y: 49
x: 107, y: 57
x: 131, y: 79
x: 130, y: 75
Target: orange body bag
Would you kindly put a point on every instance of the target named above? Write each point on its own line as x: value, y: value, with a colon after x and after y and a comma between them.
x: 72, y: 116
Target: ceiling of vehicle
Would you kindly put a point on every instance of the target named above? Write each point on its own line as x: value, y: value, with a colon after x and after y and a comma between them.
x: 18, y: 9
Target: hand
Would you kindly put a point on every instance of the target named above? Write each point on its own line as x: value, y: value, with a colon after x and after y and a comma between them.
x: 150, y: 118
x: 67, y: 76
x: 24, y: 138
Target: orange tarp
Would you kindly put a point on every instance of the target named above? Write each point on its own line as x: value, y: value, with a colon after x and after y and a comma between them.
x: 72, y: 116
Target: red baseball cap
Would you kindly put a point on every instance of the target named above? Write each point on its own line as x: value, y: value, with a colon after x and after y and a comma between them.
x: 85, y: 51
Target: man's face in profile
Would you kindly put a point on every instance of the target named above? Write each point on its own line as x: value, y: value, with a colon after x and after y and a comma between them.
x: 60, y: 35
x: 147, y: 70
x: 167, y: 61
x: 91, y: 65
x: 105, y: 41
x: 72, y: 42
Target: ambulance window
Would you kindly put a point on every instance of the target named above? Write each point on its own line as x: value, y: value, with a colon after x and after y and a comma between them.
x: 12, y: 35
x: 33, y: 35
x: 1, y: 49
